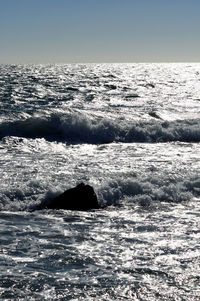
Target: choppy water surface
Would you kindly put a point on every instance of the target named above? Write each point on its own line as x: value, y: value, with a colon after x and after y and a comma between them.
x: 133, y: 132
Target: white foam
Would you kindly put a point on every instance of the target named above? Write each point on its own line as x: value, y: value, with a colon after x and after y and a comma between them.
x: 79, y: 128
x: 144, y: 191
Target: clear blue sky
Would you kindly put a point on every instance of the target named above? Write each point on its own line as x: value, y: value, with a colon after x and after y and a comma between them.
x: 48, y: 31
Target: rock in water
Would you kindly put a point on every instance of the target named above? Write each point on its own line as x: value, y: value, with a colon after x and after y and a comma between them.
x: 81, y: 197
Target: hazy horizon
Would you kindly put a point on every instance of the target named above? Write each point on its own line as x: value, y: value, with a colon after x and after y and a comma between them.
x: 94, y: 31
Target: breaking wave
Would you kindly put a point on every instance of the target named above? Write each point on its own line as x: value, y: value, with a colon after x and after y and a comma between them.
x: 118, y: 192
x: 79, y: 128
x: 145, y: 192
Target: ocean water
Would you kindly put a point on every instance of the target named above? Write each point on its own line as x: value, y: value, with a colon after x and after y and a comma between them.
x: 132, y: 131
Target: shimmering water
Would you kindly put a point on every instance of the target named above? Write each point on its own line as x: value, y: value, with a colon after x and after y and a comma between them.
x: 132, y: 131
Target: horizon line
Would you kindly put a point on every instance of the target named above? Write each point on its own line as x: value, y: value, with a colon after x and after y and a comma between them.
x: 86, y: 62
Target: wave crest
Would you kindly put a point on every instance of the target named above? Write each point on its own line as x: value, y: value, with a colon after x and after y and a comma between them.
x: 123, y: 192
x: 144, y: 192
x: 79, y: 128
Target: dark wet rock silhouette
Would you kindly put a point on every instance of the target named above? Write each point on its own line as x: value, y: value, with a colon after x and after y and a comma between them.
x: 81, y: 197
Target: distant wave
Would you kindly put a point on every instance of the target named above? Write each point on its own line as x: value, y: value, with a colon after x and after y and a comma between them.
x: 79, y: 128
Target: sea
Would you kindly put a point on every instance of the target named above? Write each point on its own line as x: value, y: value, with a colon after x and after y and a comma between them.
x: 132, y: 131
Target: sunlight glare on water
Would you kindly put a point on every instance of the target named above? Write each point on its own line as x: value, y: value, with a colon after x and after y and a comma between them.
x: 132, y: 132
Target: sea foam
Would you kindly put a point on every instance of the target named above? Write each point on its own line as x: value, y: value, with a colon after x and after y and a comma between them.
x: 79, y: 128
x: 118, y: 192
x: 146, y: 191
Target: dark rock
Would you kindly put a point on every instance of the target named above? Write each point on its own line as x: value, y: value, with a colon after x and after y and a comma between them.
x: 81, y: 197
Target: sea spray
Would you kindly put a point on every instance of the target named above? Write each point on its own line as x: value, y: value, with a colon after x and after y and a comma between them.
x: 79, y: 128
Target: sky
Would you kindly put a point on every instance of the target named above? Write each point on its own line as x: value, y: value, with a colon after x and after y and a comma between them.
x: 101, y: 31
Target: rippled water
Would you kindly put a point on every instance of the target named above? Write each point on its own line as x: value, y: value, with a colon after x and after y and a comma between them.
x: 133, y: 132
